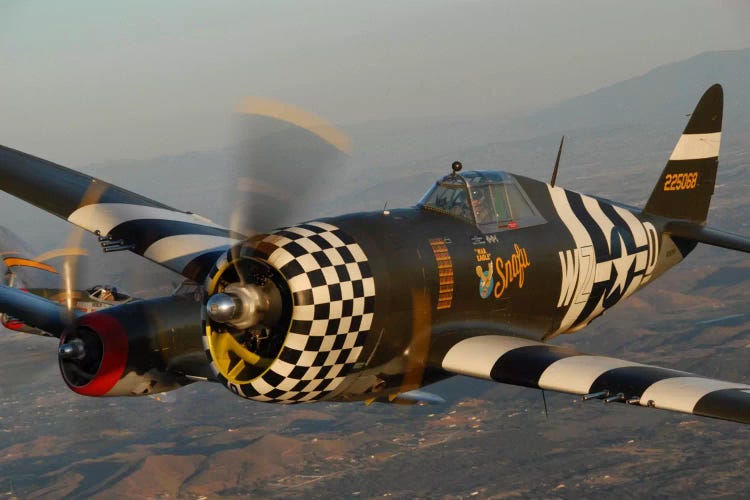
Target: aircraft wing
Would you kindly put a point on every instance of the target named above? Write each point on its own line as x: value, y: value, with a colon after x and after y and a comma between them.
x: 181, y: 241
x: 34, y: 310
x: 517, y: 361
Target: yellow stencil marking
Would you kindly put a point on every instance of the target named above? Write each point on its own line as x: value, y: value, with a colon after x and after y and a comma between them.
x: 680, y: 181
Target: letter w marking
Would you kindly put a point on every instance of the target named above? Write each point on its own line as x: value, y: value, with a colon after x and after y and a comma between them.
x: 569, y: 262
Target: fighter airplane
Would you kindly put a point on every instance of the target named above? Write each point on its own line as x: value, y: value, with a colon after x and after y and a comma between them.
x: 473, y: 280
x: 46, y: 284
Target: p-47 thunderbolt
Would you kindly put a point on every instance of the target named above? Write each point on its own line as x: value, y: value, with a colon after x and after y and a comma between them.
x: 473, y: 280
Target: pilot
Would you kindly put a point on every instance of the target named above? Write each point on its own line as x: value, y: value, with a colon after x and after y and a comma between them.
x: 103, y: 293
x: 480, y: 206
x: 460, y: 208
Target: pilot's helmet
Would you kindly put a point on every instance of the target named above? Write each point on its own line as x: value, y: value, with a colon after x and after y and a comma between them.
x: 477, y: 195
x: 103, y: 292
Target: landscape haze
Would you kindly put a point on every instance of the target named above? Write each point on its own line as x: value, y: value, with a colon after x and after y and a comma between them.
x: 487, y: 440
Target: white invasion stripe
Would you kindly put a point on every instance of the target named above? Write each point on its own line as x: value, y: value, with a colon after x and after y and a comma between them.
x: 186, y: 247
x: 106, y: 216
x: 682, y: 393
x: 697, y: 146
x: 636, y: 227
x: 582, y: 239
x: 640, y: 235
x: 576, y: 374
x: 603, y: 270
x: 476, y: 356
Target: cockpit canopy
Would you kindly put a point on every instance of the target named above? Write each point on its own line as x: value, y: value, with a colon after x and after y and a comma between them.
x: 492, y: 200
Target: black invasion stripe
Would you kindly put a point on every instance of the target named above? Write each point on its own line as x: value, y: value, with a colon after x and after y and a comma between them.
x: 684, y: 246
x: 706, y: 119
x: 525, y: 365
x: 727, y: 404
x: 144, y: 232
x: 198, y: 268
x: 623, y: 228
x: 601, y: 249
x: 632, y: 381
x: 57, y: 189
x: 597, y: 292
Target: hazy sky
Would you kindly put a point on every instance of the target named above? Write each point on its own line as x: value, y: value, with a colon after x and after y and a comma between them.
x: 85, y: 81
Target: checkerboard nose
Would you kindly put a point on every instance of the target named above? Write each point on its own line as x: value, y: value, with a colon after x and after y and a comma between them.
x: 326, y: 294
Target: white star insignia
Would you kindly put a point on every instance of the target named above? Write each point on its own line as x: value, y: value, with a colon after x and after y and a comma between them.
x: 621, y: 267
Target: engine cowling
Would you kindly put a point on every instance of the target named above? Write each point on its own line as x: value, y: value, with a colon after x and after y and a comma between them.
x: 316, y: 308
x: 135, y: 349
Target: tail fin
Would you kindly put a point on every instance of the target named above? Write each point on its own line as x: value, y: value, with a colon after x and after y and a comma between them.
x: 685, y: 187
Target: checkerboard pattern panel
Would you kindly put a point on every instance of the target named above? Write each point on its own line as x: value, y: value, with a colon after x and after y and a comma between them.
x: 333, y: 292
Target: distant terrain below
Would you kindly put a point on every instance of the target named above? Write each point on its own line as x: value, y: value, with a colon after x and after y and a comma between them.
x: 490, y: 440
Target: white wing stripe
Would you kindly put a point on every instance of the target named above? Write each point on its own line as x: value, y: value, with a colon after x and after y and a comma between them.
x: 683, y: 393
x: 106, y: 216
x: 476, y: 356
x: 576, y: 374
x: 186, y: 246
x: 563, y: 370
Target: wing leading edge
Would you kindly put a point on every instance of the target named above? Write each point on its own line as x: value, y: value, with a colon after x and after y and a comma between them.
x: 181, y: 241
x: 518, y: 361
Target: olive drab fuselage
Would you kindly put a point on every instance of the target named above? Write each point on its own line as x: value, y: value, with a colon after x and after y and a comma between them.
x: 368, y: 294
x: 579, y: 257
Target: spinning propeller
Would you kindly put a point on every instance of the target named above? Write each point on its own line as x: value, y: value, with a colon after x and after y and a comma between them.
x: 247, y: 305
x: 286, y: 161
x: 286, y: 158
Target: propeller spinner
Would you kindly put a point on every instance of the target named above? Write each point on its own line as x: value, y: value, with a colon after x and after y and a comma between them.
x: 240, y: 306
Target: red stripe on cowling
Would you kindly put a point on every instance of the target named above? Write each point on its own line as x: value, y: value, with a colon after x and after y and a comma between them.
x: 114, y: 356
x: 14, y: 325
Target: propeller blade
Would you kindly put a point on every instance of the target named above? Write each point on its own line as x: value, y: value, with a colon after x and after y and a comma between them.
x: 419, y: 348
x: 289, y: 160
x: 92, y: 195
x: 61, y: 252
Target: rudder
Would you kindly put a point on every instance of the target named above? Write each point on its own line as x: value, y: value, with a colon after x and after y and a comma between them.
x: 687, y: 182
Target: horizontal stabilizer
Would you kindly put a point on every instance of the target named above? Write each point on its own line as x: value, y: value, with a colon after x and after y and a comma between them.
x: 528, y: 363
x: 702, y: 234
x: 33, y: 310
